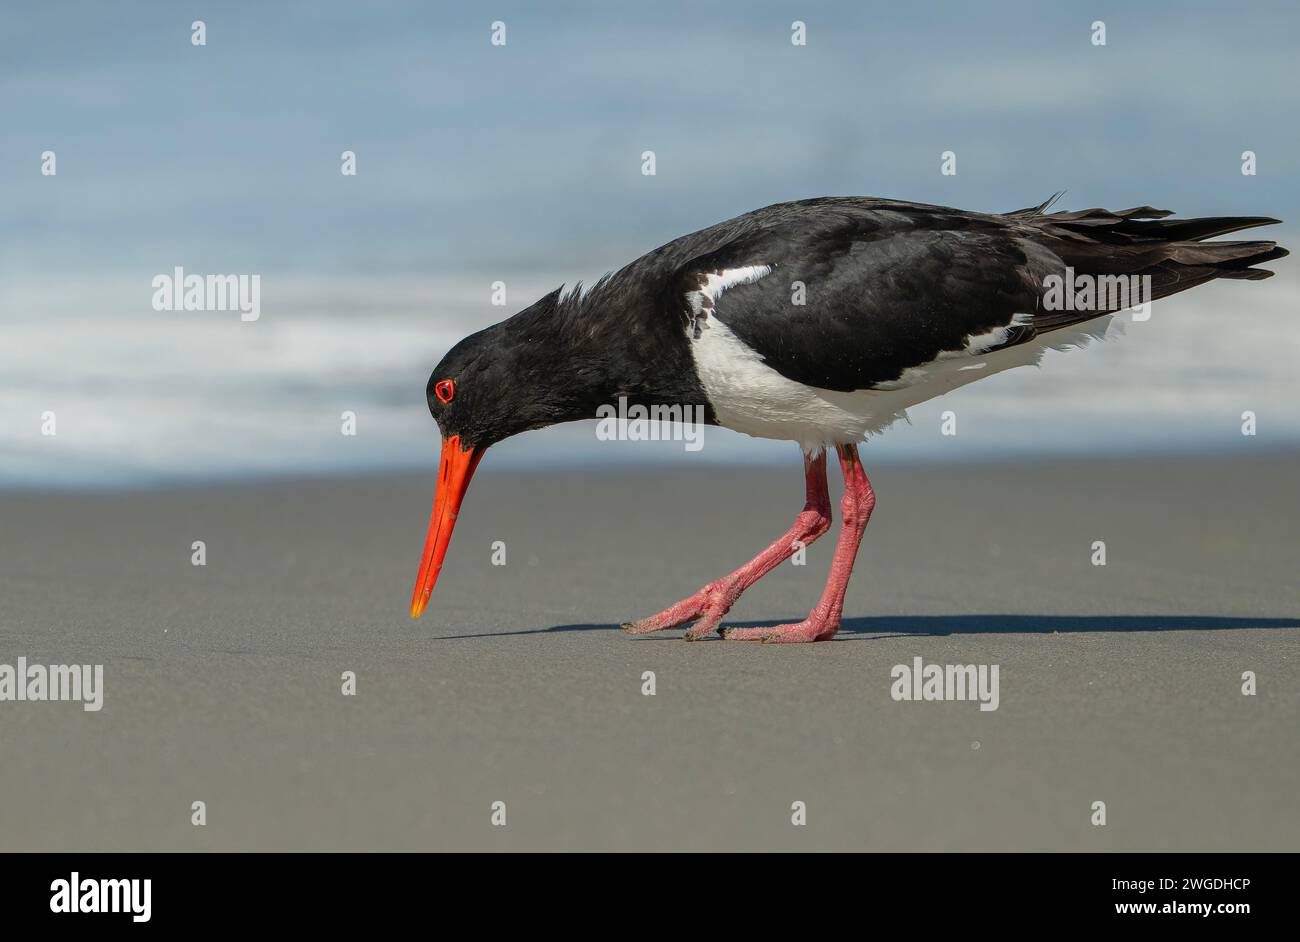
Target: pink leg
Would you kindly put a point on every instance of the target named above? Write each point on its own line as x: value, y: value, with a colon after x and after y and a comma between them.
x: 824, y: 620
x: 707, y: 606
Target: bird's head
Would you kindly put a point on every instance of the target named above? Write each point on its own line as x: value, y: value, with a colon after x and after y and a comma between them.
x: 521, y: 374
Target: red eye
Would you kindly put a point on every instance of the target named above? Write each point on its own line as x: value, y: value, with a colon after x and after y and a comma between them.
x: 445, y: 390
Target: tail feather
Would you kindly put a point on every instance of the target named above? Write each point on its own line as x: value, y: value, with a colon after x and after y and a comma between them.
x: 1194, y: 230
x: 1142, y: 241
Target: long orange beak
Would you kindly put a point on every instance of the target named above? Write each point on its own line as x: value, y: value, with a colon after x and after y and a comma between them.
x: 454, y: 471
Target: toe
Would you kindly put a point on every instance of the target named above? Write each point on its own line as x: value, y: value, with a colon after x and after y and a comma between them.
x: 795, y: 634
x: 645, y: 626
x: 708, y: 623
x: 701, y: 630
x: 799, y: 633
x: 746, y: 634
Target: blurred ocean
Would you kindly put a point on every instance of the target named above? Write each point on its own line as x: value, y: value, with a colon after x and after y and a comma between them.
x: 523, y: 163
x: 141, y: 396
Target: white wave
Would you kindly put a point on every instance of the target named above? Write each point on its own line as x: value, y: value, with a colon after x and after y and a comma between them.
x: 141, y: 396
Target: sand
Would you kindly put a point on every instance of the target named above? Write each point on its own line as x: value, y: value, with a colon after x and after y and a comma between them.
x: 1119, y: 684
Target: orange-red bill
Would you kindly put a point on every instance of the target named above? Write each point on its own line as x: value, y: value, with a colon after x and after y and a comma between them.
x: 454, y: 471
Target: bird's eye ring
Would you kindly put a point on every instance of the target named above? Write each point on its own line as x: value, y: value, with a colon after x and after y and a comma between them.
x: 444, y: 390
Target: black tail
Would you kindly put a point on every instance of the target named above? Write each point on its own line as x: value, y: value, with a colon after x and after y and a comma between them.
x: 1141, y: 241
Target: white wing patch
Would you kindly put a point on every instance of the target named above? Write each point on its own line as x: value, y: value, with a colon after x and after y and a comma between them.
x: 983, y: 343
x: 715, y: 283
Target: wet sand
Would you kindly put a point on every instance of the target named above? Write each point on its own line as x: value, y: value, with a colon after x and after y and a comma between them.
x: 1119, y: 683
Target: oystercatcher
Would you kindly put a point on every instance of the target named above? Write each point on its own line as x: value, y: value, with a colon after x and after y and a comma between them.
x: 819, y: 321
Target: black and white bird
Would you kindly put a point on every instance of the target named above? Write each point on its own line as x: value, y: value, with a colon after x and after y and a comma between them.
x: 901, y: 302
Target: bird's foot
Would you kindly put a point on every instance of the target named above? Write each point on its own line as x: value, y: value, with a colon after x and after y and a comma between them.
x: 705, y: 608
x: 812, y: 628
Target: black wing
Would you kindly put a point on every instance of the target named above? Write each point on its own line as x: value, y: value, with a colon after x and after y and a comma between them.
x: 887, y: 286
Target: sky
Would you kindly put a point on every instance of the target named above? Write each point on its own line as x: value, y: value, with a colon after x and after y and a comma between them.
x: 522, y: 163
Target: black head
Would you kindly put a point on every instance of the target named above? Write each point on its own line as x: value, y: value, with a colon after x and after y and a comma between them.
x: 471, y: 394
x: 527, y: 372
x: 524, y: 373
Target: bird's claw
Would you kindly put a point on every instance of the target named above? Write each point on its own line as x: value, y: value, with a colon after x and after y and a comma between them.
x: 808, y: 630
x: 706, y: 608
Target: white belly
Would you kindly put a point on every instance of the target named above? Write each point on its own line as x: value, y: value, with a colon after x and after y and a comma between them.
x: 751, y: 397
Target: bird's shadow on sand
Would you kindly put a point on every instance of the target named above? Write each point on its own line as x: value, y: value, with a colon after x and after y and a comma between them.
x: 894, y: 626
